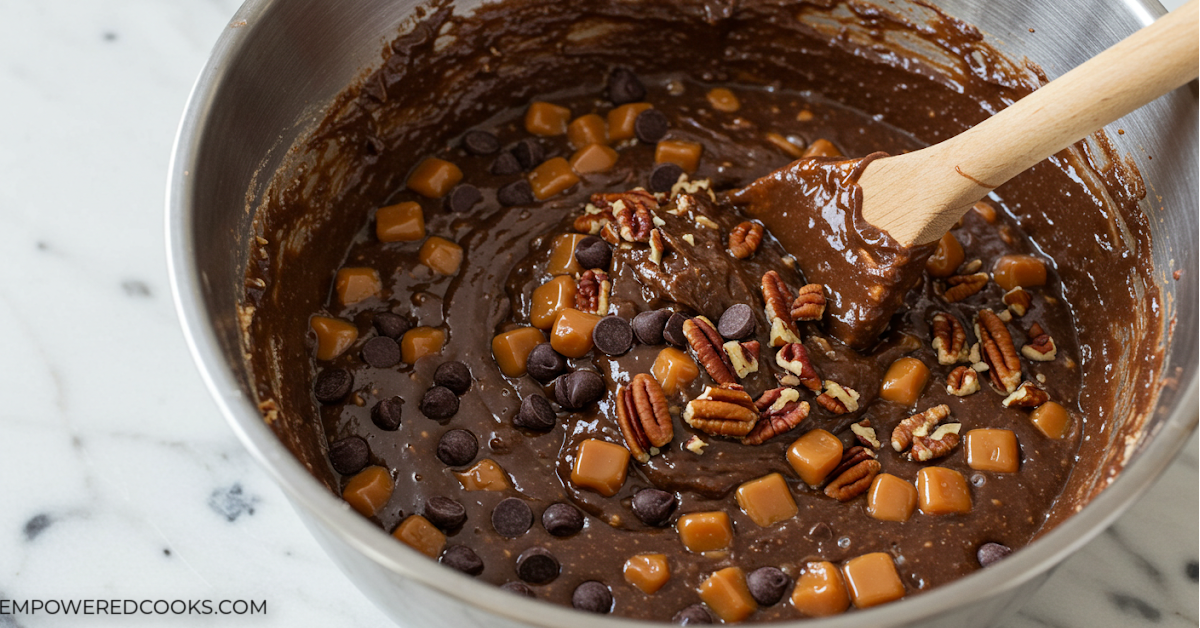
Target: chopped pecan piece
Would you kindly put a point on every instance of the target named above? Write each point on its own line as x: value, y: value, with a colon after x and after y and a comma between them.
x: 851, y: 457
x: 854, y: 481
x: 744, y: 239
x: 941, y: 442
x: 781, y: 416
x: 743, y: 356
x: 917, y: 425
x: 1026, y: 396
x: 631, y: 211
x: 960, y: 287
x: 793, y: 358
x: 838, y: 399
x: 722, y: 412
x: 949, y: 338
x: 1041, y: 347
x: 810, y: 303
x: 1018, y: 301
x: 658, y: 246
x: 962, y: 381
x: 608, y: 233
x: 643, y: 416
x: 707, y: 344
x: 777, y: 298
x: 1004, y: 367
x: 695, y: 444
x: 593, y: 220
x: 865, y: 434
x: 591, y: 293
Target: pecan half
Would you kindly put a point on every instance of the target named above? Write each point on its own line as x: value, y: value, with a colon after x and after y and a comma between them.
x: 917, y: 425
x: 851, y: 457
x: 1041, y: 347
x: 631, y: 211
x: 1026, y: 396
x: 743, y: 356
x: 1018, y: 301
x: 960, y: 287
x: 777, y: 297
x: 591, y: 293
x: 865, y: 434
x: 744, y: 239
x: 949, y: 338
x: 793, y: 358
x: 838, y: 399
x: 810, y: 303
x: 853, y: 481
x: 942, y: 441
x: 962, y: 381
x: 707, y: 344
x: 643, y: 416
x: 1004, y: 367
x: 779, y: 417
x: 658, y: 246
x: 722, y: 412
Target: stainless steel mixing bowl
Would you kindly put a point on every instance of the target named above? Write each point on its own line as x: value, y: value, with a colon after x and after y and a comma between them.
x: 279, y: 63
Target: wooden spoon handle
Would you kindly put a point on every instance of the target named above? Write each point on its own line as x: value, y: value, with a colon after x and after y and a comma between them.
x: 942, y: 181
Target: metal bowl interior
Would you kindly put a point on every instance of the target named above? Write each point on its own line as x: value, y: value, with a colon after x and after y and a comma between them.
x: 277, y: 66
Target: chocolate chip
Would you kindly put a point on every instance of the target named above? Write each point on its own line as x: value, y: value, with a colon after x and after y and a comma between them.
x: 391, y: 325
x: 575, y: 390
x: 537, y: 566
x: 991, y: 552
x: 453, y: 375
x: 612, y: 335
x: 381, y: 352
x: 694, y: 615
x: 457, y: 448
x: 536, y: 414
x: 767, y: 585
x: 520, y: 588
x: 624, y: 87
x: 516, y: 193
x: 651, y: 126
x: 386, y: 414
x: 480, y: 143
x: 463, y: 559
x: 648, y: 326
x: 664, y: 177
x: 653, y: 507
x: 512, y: 517
x: 593, y: 597
x: 439, y: 402
x: 529, y: 153
x: 544, y: 363
x: 445, y: 513
x: 506, y: 163
x: 592, y: 252
x: 462, y: 198
x: 737, y: 322
x: 349, y: 455
x: 673, y: 332
x: 332, y: 385
x: 562, y: 519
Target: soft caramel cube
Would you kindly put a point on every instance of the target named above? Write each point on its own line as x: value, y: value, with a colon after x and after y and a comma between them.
x: 904, y: 381
x: 820, y: 591
x: 334, y: 336
x: 549, y: 299
x: 434, y: 177
x: 985, y: 211
x: 551, y: 177
x: 600, y: 466
x: 585, y: 130
x: 562, y: 255
x: 726, y: 593
x: 674, y: 369
x: 891, y: 498
x: 814, y: 455
x: 947, y: 258
x: 621, y: 119
x: 543, y: 118
x: 1026, y: 271
x: 416, y: 532
x: 724, y: 100
x: 872, y: 580
x: 686, y: 155
x: 1051, y: 419
x: 767, y: 500
x: 572, y: 332
x: 419, y: 342
x: 354, y: 285
x: 593, y: 158
x: 485, y: 475
x: 943, y: 491
x: 511, y: 349
x: 993, y: 450
x: 822, y: 148
x: 705, y: 531
x: 648, y: 572
x: 369, y: 490
x: 441, y: 255
x: 402, y: 222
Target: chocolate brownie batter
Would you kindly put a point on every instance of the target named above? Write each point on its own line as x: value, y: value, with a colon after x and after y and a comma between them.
x: 382, y: 336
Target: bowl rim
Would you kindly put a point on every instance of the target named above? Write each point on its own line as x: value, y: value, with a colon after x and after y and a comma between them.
x: 306, y: 492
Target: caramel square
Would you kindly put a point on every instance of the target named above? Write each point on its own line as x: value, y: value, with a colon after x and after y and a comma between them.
x: 600, y: 466
x: 552, y: 177
x: 441, y: 255
x: 593, y: 158
x: 621, y: 119
x: 572, y: 332
x: 334, y: 336
x: 891, y: 498
x: 993, y: 450
x: 705, y: 531
x: 419, y: 342
x: 355, y: 285
x: 686, y: 155
x: 402, y: 222
x: 562, y: 255
x: 814, y: 455
x: 549, y: 299
x: 416, y: 532
x: 546, y: 119
x: 726, y: 593
x: 648, y: 572
x: 822, y: 148
x: 369, y: 490
x: 674, y: 370
x: 872, y: 580
x: 943, y: 491
x: 820, y: 591
x: 434, y: 177
x: 904, y: 381
x: 723, y: 100
x: 587, y: 129
x: 767, y: 500
x: 1051, y: 419
x: 485, y: 475
x: 511, y: 349
x: 1025, y: 271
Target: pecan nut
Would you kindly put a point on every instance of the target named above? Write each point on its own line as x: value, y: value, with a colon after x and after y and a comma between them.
x: 810, y: 303
x: 962, y: 381
x: 608, y: 233
x: 1026, y: 396
x: 743, y: 356
x: 949, y: 338
x: 780, y: 410
x: 631, y: 211
x: 1018, y: 301
x: 960, y: 287
x: 709, y: 349
x: 838, y: 399
x: 644, y: 417
x: 593, y: 220
x: 853, y: 481
x: 658, y: 246
x: 917, y: 425
x: 793, y: 358
x: 865, y: 434
x: 744, y: 239
x: 1004, y: 367
x: 1041, y: 347
x: 941, y: 442
x: 851, y: 457
x: 777, y: 297
x: 722, y: 412
x: 591, y: 293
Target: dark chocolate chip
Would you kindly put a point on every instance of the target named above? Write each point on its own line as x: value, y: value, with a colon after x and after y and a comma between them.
x: 648, y: 326
x: 453, y: 375
x: 767, y: 585
x: 506, y: 163
x: 664, y: 177
x: 457, y: 448
x: 512, y: 517
x: 537, y: 566
x: 737, y: 322
x: 439, y: 403
x: 333, y: 385
x: 673, y: 332
x: 592, y: 252
x: 386, y: 414
x: 349, y: 455
x: 480, y: 143
x: 612, y: 335
x: 529, y: 153
x: 536, y: 414
x: 520, y: 588
x: 463, y: 559
x: 593, y: 597
x: 391, y: 325
x: 625, y: 87
x: 991, y: 552
x: 575, y: 390
x: 516, y: 193
x: 445, y: 513
x: 544, y: 363
x: 462, y: 198
x: 381, y: 352
x: 651, y: 126
x: 694, y: 615
x: 653, y: 507
x: 562, y: 519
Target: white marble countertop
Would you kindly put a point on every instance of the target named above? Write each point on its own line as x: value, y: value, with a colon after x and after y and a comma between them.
x: 120, y: 479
